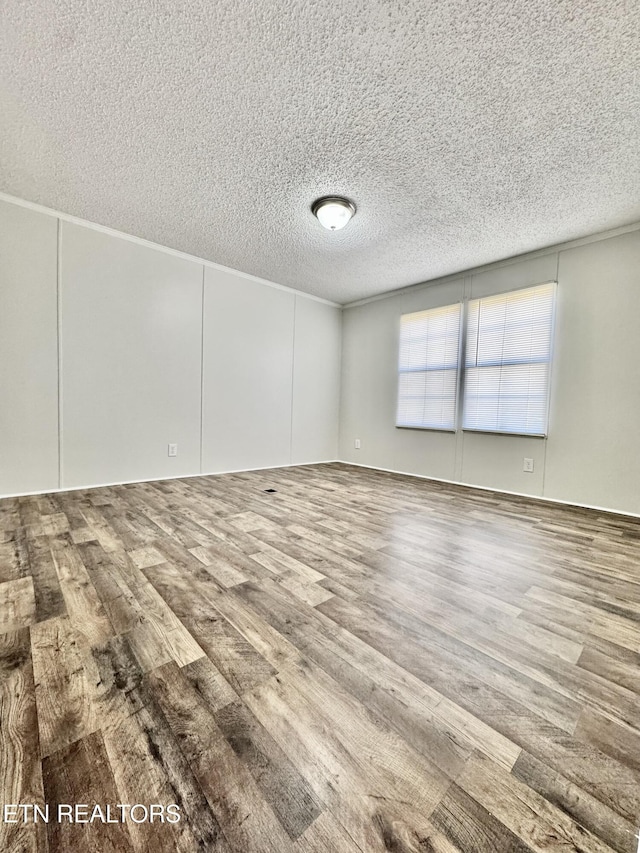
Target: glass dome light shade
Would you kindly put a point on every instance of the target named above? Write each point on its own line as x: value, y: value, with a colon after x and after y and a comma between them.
x: 333, y: 212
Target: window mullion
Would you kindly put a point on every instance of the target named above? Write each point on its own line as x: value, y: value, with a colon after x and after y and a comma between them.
x: 462, y: 355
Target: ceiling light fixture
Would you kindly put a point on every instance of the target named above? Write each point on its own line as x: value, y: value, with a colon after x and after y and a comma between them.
x: 333, y: 212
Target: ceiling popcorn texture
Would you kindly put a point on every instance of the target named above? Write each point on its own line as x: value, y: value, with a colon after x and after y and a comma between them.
x: 465, y: 131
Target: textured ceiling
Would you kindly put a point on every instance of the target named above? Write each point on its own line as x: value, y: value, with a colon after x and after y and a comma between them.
x: 465, y: 131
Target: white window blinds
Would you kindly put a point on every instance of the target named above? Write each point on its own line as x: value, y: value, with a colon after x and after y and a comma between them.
x: 507, y: 361
x: 428, y: 368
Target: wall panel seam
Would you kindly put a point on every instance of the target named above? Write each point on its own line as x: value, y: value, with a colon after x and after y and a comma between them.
x: 141, y: 241
x: 293, y: 374
x: 59, y: 348
x: 202, y: 369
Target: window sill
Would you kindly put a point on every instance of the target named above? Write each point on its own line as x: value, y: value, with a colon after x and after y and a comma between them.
x: 427, y: 429
x: 504, y: 432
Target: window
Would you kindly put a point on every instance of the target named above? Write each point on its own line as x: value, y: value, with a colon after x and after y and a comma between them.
x: 507, y: 360
x: 428, y: 368
x: 505, y: 376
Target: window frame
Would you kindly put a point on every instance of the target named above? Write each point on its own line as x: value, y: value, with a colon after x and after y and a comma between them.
x: 462, y: 368
x: 461, y: 333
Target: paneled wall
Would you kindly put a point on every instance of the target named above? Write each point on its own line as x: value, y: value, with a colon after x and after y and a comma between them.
x: 246, y: 430
x: 131, y: 358
x: 590, y: 456
x: 317, y: 349
x: 292, y: 414
x: 112, y: 349
x: 28, y: 351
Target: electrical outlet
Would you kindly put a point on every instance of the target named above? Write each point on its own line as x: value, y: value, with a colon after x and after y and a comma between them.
x: 173, y: 450
x: 527, y: 465
x: 356, y: 444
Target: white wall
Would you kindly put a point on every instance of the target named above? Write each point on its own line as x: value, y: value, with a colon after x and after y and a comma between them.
x: 136, y: 372
x: 254, y: 351
x: 592, y: 451
x: 259, y: 388
x: 590, y: 455
x: 131, y: 359
x: 286, y: 348
x: 316, y: 381
x: 28, y: 351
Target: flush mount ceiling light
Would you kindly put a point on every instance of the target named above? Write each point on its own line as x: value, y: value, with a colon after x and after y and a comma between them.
x: 333, y: 212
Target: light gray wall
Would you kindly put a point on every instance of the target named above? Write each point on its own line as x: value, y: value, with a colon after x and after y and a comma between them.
x: 131, y: 358
x: 592, y: 451
x: 259, y: 388
x: 135, y: 374
x: 286, y: 348
x: 316, y: 381
x: 590, y: 455
x: 255, y: 351
x: 28, y: 350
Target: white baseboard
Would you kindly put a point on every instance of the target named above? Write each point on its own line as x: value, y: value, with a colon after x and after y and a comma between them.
x: 161, y: 479
x: 475, y: 486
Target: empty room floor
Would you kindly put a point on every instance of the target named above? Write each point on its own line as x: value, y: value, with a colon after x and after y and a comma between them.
x: 356, y: 661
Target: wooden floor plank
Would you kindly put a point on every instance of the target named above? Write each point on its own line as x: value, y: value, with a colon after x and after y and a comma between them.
x: 20, y: 768
x: 17, y: 604
x: 209, y: 683
x: 540, y: 825
x: 613, y: 663
x: 406, y: 703
x: 232, y: 793
x: 49, y: 599
x: 363, y: 806
x: 472, y: 828
x: 86, y: 611
x: 575, y: 802
x: 325, y: 834
x: 451, y: 658
x: 359, y: 662
x: 148, y: 766
x: 63, y: 694
x: 283, y: 787
x: 80, y: 774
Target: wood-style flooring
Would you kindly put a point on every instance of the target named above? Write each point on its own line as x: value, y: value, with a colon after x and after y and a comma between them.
x: 357, y: 662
